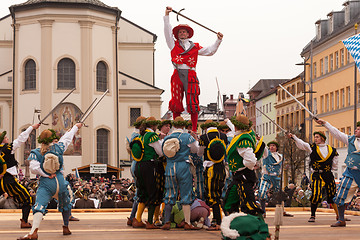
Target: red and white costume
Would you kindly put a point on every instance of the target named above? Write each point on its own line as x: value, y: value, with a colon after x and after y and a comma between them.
x: 184, y: 54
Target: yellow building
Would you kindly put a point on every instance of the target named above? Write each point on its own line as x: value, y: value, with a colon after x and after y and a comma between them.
x: 330, y: 74
x: 289, y: 114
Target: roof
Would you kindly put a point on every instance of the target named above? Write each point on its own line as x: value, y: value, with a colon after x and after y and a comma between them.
x: 30, y: 4
x: 336, y: 32
x: 266, y: 87
x: 93, y: 2
x: 265, y: 93
x: 264, y: 84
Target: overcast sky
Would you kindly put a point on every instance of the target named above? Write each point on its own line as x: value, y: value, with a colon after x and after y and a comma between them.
x: 262, y: 39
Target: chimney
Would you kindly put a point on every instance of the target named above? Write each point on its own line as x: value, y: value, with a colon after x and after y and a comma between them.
x: 231, y: 96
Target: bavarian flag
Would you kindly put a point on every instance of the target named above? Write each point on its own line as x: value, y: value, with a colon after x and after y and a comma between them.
x: 353, y: 46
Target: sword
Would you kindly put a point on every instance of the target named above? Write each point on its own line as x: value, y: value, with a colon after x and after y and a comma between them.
x: 311, y: 114
x: 179, y: 14
x: 87, y: 111
x: 85, y: 116
x: 272, y: 120
x: 52, y: 110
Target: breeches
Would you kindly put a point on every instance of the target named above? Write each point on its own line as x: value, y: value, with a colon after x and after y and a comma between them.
x: 146, y: 182
x: 268, y: 182
x: 348, y: 185
x: 214, y: 181
x: 184, y: 81
x: 178, y: 178
x: 13, y: 188
x: 241, y: 193
x: 49, y: 188
x: 320, y: 181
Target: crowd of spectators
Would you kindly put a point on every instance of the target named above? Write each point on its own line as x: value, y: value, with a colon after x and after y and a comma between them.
x: 101, y: 192
x: 96, y: 192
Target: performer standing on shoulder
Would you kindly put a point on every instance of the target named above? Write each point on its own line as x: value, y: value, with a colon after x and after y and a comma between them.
x: 184, y: 54
x: 350, y: 180
x: 8, y: 172
x: 323, y: 159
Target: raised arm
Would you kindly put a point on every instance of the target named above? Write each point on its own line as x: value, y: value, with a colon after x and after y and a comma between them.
x: 23, y: 137
x: 230, y: 124
x: 300, y: 143
x: 168, y: 29
x: 67, y: 138
x: 343, y: 137
x: 211, y: 50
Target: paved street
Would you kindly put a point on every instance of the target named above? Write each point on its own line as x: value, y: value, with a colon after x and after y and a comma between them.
x: 112, y: 225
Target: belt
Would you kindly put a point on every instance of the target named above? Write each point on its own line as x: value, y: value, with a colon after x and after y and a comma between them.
x: 320, y: 171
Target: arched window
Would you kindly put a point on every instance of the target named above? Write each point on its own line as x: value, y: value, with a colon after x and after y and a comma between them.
x: 101, y: 77
x: 30, y: 75
x: 102, y: 146
x: 66, y: 74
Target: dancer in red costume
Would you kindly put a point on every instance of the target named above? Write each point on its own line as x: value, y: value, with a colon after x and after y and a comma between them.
x: 184, y: 54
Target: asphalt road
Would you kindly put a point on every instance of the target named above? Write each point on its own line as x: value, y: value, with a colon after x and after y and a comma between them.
x: 112, y: 225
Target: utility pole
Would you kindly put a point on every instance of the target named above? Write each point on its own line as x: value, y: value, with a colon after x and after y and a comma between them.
x: 355, y: 86
x: 304, y: 91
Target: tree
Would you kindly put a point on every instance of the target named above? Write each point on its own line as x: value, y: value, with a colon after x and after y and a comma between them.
x: 294, y: 157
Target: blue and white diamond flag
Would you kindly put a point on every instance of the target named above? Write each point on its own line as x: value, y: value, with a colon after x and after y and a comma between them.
x: 353, y: 46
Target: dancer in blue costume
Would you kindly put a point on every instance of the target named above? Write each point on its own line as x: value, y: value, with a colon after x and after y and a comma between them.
x: 47, y: 161
x: 271, y: 170
x: 350, y: 180
x: 135, y: 134
x: 199, y: 169
x: 178, y: 178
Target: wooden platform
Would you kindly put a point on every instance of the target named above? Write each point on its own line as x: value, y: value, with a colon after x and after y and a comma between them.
x: 112, y: 225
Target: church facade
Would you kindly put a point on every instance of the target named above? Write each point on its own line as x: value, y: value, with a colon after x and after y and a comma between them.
x: 49, y: 48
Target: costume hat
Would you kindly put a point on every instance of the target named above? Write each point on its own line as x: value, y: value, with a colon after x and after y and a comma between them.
x: 47, y: 136
x: 321, y: 133
x: 240, y: 226
x: 151, y: 121
x: 179, y: 122
x: 209, y: 123
x: 164, y: 122
x: 2, y: 136
x: 223, y: 126
x: 241, y: 122
x: 182, y: 26
x: 138, y: 121
x: 275, y: 143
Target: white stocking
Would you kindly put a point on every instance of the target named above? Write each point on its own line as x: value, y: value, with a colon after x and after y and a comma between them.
x: 36, y: 221
x: 187, y: 211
